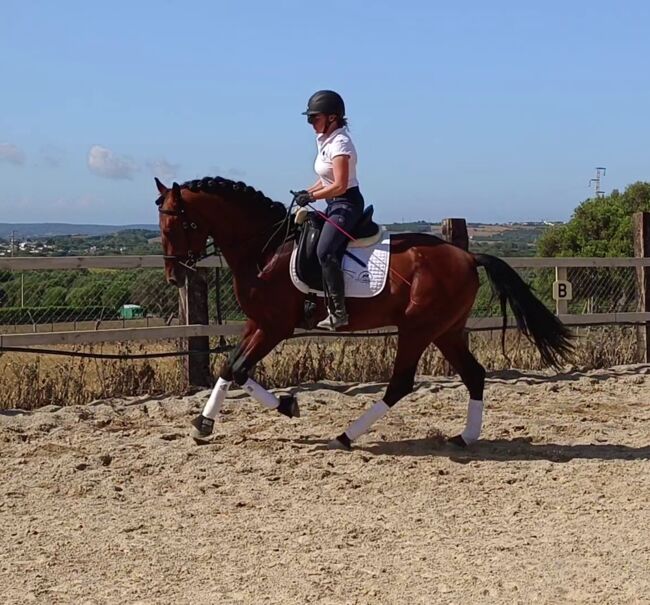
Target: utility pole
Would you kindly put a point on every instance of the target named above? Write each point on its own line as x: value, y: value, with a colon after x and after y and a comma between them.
x: 600, y: 171
x: 22, y: 275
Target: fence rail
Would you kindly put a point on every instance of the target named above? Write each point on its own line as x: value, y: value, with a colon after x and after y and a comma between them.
x: 30, y: 263
x: 604, y: 292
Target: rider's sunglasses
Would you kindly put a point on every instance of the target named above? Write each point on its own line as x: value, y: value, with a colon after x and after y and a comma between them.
x: 312, y: 117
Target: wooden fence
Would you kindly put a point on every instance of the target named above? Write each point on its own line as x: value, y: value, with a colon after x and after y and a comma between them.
x: 201, y: 327
x: 196, y: 328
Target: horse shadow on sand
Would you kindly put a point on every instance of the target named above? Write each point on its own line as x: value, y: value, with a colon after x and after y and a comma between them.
x: 511, y: 376
x: 497, y: 450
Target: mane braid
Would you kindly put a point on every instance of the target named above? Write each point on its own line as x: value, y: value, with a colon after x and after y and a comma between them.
x: 219, y: 185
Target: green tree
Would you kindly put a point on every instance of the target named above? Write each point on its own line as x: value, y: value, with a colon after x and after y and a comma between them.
x: 152, y: 292
x: 54, y: 297
x: 599, y: 226
x: 88, y: 295
x: 116, y: 295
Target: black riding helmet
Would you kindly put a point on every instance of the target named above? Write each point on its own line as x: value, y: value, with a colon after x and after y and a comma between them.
x: 327, y: 102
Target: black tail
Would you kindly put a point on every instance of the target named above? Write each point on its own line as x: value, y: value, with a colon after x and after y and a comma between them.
x: 551, y: 337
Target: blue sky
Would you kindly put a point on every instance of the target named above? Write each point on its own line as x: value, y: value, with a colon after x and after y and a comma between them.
x: 492, y: 111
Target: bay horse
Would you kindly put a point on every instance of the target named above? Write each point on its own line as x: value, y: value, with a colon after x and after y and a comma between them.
x: 428, y: 296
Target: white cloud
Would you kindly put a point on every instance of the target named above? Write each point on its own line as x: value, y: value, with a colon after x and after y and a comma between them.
x: 12, y: 154
x: 103, y: 162
x: 163, y: 169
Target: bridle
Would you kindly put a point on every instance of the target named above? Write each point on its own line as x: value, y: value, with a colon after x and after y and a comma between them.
x: 189, y: 260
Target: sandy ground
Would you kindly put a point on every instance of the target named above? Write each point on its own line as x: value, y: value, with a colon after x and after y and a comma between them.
x: 113, y: 503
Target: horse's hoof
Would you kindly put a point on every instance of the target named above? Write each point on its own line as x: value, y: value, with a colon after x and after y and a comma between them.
x: 458, y: 441
x: 202, y: 428
x: 289, y: 406
x: 342, y: 442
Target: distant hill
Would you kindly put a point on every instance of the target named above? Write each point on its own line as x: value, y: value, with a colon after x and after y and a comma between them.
x: 34, y: 230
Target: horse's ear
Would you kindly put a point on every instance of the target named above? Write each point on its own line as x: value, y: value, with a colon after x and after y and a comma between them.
x: 176, y: 190
x: 161, y: 188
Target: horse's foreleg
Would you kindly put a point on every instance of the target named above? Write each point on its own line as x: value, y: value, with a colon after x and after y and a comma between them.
x: 260, y: 344
x: 410, y: 346
x: 472, y: 373
x: 255, y: 344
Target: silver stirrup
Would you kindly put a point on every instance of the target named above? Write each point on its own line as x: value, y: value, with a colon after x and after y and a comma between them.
x: 331, y: 322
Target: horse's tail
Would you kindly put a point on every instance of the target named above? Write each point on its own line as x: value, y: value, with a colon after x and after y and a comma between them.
x: 551, y: 337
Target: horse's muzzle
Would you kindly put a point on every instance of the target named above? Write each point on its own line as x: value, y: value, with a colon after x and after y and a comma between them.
x: 176, y: 275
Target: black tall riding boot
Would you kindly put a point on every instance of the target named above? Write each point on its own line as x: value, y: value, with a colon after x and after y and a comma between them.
x: 335, y: 293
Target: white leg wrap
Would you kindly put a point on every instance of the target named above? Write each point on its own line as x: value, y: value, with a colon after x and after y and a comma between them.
x: 472, y: 430
x: 216, y: 399
x: 360, y: 426
x: 260, y: 394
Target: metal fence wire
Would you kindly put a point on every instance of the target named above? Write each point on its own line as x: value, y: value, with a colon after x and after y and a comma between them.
x: 594, y: 290
x: 60, y: 300
x: 77, y: 299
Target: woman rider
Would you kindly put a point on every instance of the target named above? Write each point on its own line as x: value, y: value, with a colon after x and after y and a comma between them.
x: 335, y: 165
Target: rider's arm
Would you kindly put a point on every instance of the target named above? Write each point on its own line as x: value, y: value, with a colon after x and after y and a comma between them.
x: 341, y: 169
x: 316, y: 186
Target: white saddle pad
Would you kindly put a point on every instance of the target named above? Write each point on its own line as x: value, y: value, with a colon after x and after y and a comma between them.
x: 360, y: 281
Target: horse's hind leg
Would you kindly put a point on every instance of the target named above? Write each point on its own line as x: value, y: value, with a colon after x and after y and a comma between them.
x: 410, y: 346
x: 453, y: 346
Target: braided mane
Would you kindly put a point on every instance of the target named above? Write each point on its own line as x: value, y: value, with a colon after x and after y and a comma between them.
x: 219, y: 186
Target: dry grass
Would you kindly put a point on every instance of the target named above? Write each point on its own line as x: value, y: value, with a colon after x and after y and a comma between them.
x: 31, y: 381
x: 369, y: 360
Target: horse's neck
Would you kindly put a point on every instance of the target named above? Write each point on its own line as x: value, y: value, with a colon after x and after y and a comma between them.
x: 250, y: 252
x: 249, y: 256
x: 242, y: 259
x: 252, y: 275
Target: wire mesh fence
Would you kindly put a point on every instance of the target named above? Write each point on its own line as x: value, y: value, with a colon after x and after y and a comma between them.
x: 78, y: 299
x: 53, y: 300
x: 594, y: 290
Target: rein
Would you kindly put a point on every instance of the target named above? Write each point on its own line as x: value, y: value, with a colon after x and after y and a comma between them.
x: 286, y: 220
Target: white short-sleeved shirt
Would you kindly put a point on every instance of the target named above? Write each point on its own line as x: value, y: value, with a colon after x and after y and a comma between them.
x: 338, y: 142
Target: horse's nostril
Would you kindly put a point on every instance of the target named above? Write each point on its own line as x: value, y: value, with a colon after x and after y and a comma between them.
x: 172, y: 280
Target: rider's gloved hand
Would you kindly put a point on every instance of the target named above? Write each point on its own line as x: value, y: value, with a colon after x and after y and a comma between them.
x: 302, y: 198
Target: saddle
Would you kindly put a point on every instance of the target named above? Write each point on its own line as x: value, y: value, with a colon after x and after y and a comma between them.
x: 366, y: 233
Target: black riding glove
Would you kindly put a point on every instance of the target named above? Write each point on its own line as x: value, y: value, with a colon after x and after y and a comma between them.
x: 302, y: 198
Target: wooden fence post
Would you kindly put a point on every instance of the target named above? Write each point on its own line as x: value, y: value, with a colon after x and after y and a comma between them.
x: 454, y: 230
x: 561, y: 304
x: 641, y: 227
x: 193, y: 309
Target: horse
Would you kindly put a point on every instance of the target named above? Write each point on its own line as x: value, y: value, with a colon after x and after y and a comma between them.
x: 428, y: 296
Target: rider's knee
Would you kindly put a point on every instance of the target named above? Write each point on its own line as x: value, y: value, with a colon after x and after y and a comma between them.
x: 326, y: 258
